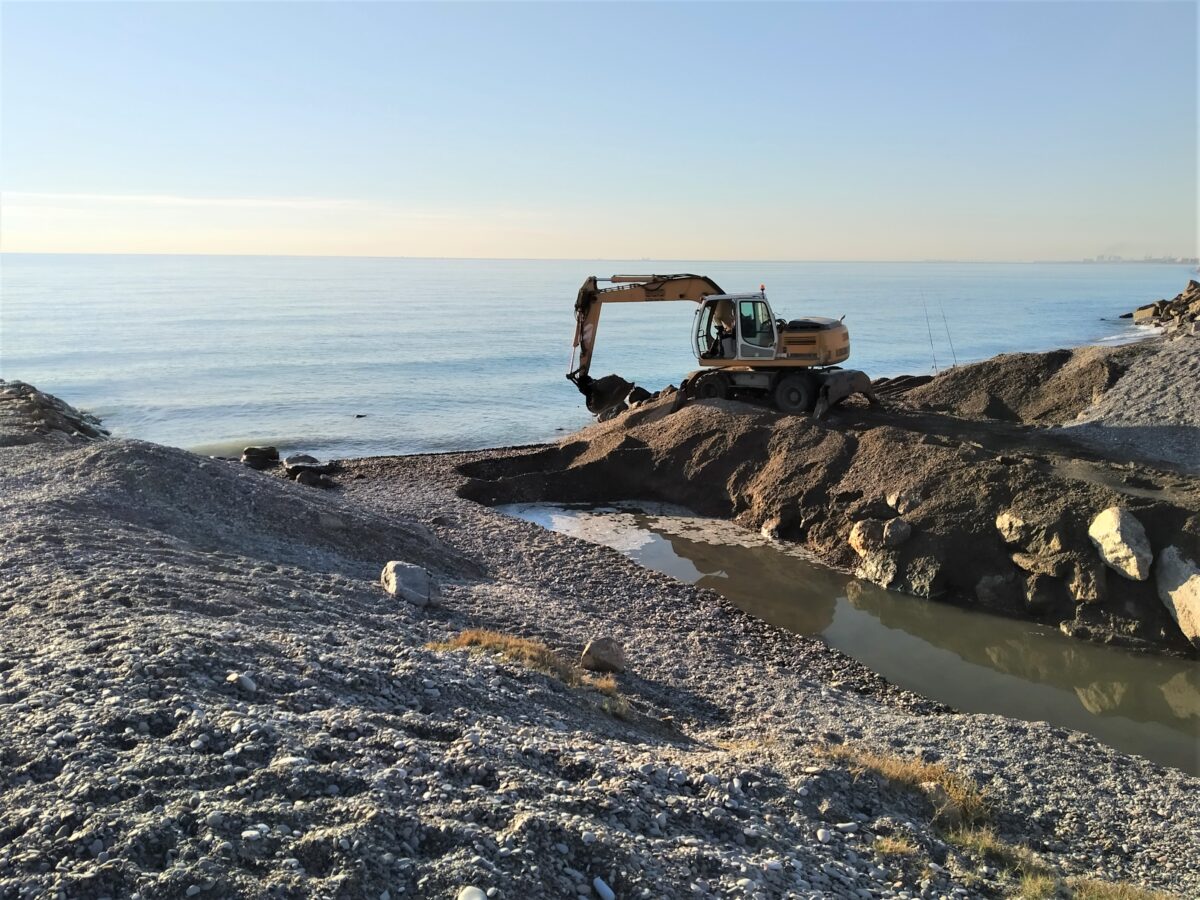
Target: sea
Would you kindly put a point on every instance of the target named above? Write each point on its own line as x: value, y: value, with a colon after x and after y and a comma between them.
x: 347, y: 357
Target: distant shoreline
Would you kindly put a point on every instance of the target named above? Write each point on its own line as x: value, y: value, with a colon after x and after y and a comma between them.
x: 1194, y: 262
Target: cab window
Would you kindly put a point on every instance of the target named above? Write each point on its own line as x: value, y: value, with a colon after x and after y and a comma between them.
x: 755, y: 322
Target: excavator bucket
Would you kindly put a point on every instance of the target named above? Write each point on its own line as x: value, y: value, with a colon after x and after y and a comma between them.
x: 604, y: 393
x: 839, y: 384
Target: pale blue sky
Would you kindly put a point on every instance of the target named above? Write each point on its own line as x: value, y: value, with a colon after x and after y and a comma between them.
x: 783, y: 131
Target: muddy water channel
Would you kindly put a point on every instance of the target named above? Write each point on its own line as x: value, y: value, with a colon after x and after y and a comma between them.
x: 973, y: 661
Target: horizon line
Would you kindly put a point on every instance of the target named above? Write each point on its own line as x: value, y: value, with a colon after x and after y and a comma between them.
x: 1181, y: 261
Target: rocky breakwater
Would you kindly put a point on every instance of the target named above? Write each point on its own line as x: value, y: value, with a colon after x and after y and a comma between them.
x: 29, y: 416
x: 1179, y: 316
x: 955, y: 490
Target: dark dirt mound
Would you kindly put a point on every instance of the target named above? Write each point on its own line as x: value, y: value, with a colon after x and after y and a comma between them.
x: 812, y: 482
x: 1044, y: 388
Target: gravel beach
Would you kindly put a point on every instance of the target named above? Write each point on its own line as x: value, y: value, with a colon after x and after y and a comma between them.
x: 205, y: 691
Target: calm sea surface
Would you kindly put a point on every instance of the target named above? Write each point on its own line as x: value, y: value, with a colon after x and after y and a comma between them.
x: 212, y: 353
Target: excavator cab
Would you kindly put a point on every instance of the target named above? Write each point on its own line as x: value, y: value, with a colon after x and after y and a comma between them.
x: 735, y: 326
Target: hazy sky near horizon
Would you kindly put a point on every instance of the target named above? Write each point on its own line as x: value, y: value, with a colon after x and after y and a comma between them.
x: 824, y: 130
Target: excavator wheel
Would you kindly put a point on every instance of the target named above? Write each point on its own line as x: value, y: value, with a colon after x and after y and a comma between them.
x: 711, y: 386
x: 796, y: 393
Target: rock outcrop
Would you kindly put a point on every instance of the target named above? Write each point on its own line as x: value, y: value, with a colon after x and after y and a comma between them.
x: 1178, y: 316
x: 29, y: 416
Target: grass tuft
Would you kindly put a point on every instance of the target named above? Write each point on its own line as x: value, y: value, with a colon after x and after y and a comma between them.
x: 529, y: 653
x: 1039, y: 881
x: 1091, y: 889
x: 536, y: 655
x: 983, y: 841
x: 898, y: 845
x: 605, y: 684
x: 1038, y: 886
x: 971, y: 803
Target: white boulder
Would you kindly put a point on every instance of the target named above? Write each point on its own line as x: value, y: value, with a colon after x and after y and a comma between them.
x: 410, y: 583
x: 1178, y: 581
x: 1122, y: 543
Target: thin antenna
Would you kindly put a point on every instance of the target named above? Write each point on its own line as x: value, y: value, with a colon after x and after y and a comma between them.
x: 948, y: 338
x: 929, y: 328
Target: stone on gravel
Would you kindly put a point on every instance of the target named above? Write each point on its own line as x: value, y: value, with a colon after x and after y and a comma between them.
x: 603, y: 891
x: 309, y: 478
x: 260, y: 457
x: 243, y: 681
x: 470, y: 892
x: 1122, y: 543
x: 1178, y: 583
x: 410, y: 583
x: 603, y: 654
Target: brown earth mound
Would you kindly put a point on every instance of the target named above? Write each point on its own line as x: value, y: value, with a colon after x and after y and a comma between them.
x: 1044, y: 388
x: 912, y: 510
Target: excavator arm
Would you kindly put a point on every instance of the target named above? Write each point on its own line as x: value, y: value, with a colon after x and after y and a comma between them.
x: 624, y: 289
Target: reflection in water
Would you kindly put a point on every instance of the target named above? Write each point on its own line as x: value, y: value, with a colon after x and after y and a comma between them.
x: 972, y: 660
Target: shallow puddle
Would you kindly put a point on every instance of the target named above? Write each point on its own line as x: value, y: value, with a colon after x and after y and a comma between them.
x: 973, y: 661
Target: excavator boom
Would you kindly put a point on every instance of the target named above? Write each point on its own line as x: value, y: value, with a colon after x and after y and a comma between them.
x: 624, y: 289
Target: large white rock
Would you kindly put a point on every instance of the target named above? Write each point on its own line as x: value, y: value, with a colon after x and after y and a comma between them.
x: 1122, y: 543
x: 410, y: 583
x: 1178, y: 582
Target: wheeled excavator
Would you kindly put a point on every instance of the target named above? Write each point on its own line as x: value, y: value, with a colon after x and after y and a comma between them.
x: 741, y: 346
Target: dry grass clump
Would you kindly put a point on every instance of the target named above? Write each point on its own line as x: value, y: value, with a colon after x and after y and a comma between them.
x: 532, y: 654
x: 1039, y: 881
x: 984, y: 841
x: 894, y: 845
x: 536, y: 655
x: 971, y: 804
x: 605, y: 684
x: 1038, y: 886
x: 1091, y: 889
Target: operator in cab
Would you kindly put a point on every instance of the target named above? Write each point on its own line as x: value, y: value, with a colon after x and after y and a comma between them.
x: 723, y: 325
